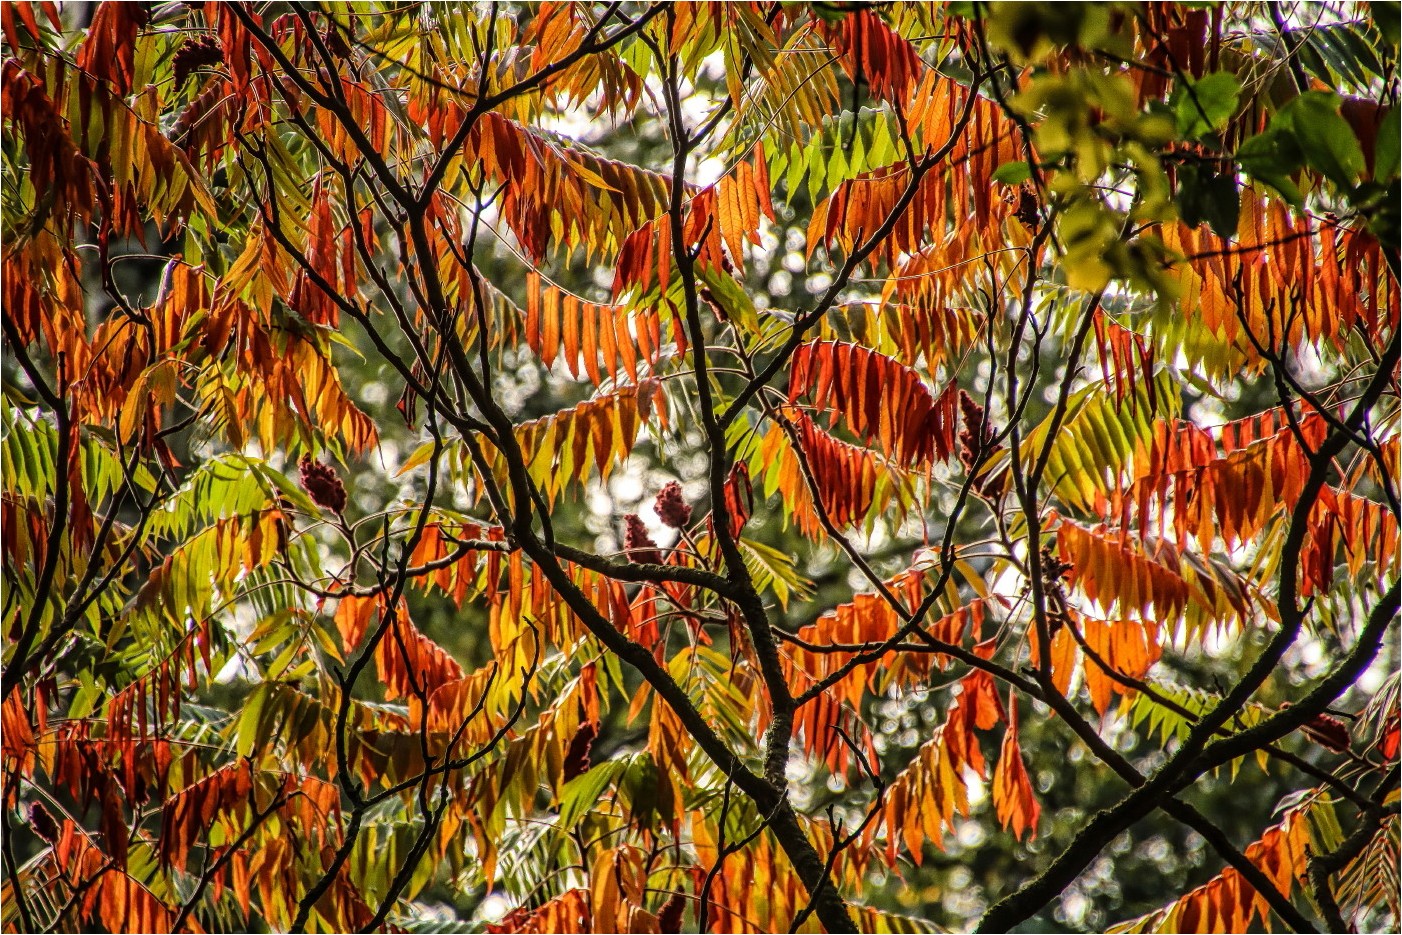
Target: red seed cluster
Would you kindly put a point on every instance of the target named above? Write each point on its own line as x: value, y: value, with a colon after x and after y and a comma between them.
x: 1329, y: 732
x: 975, y: 439
x: 194, y: 54
x: 671, y: 508
x: 975, y: 435
x: 322, y: 484
x: 637, y: 543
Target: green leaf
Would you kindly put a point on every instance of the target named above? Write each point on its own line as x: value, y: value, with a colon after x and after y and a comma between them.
x: 581, y: 794
x: 1326, y: 142
x: 734, y: 302
x: 830, y: 12
x: 1388, y: 21
x: 1206, y: 105
x: 773, y: 569
x: 246, y: 733
x: 1387, y: 150
x: 1272, y: 157
x: 1203, y: 385
x: 1205, y: 196
x: 1013, y: 173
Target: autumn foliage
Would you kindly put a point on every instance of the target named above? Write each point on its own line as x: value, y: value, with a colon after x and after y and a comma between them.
x: 500, y: 467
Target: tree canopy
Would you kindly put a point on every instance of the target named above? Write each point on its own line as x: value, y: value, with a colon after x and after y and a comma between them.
x: 734, y: 467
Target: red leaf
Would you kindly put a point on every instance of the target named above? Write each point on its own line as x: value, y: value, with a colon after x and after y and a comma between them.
x: 739, y: 497
x: 1013, y: 796
x: 109, y: 51
x: 869, y: 49
x: 878, y: 398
